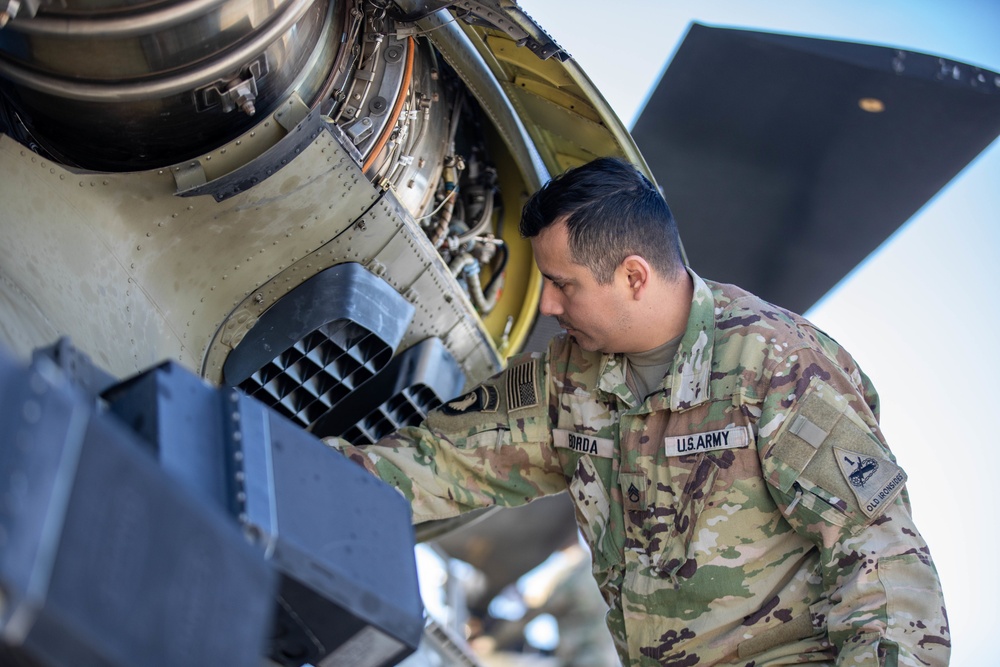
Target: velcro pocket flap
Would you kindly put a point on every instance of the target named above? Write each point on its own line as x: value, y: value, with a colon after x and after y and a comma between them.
x: 803, y: 433
x: 513, y: 401
x: 830, y: 451
x: 781, y: 634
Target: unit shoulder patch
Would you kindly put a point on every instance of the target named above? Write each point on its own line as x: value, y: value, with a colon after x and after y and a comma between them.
x: 875, y: 481
x: 484, y: 398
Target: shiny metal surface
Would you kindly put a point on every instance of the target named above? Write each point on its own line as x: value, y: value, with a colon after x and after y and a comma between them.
x: 146, y: 55
x: 56, y: 23
x: 153, y: 76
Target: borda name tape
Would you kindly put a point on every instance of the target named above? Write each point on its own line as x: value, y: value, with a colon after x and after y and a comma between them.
x: 583, y: 443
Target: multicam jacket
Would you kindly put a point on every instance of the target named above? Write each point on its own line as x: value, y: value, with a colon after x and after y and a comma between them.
x: 748, y: 512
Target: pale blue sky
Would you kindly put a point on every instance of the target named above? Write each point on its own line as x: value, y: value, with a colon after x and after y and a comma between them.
x: 920, y: 313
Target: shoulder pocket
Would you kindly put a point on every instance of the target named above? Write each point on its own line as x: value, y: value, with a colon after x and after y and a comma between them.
x: 473, y: 419
x: 510, y: 407
x: 827, y: 455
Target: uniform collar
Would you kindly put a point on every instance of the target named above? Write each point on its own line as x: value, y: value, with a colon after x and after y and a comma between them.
x: 612, y: 378
x: 689, y: 376
x: 687, y: 382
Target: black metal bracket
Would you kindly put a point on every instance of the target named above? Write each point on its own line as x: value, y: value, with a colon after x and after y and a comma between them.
x: 267, y: 164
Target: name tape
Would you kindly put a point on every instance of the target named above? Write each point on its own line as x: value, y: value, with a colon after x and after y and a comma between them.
x: 732, y: 437
x: 585, y: 444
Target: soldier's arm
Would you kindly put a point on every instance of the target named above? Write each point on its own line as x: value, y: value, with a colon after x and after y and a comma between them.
x: 838, y: 485
x: 491, y: 446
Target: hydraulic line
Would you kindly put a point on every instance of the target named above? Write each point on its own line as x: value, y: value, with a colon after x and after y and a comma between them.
x: 411, y: 46
x: 484, y: 220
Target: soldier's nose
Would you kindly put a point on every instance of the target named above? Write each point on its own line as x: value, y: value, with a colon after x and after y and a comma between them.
x: 549, y: 304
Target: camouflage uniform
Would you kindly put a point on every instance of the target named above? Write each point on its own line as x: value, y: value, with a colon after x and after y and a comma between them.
x: 748, y: 512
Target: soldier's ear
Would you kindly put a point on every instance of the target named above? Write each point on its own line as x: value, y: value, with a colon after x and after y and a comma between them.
x: 637, y: 274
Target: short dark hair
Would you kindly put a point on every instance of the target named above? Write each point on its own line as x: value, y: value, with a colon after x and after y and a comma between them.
x: 611, y: 211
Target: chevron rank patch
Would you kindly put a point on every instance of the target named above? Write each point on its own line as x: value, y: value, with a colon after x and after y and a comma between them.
x: 522, y: 389
x: 484, y: 398
x: 875, y: 481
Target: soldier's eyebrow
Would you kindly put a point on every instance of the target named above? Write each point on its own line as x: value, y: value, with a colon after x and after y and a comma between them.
x: 555, y: 279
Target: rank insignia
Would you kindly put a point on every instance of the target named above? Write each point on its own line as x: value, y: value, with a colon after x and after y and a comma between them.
x: 633, y: 487
x: 633, y: 494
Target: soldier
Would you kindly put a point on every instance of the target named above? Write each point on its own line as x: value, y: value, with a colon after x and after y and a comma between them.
x: 724, y: 455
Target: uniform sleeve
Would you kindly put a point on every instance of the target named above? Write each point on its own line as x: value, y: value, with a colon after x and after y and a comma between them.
x: 491, y: 446
x: 838, y: 485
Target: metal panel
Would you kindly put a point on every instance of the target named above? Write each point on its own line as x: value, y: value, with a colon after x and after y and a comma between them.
x: 105, y: 559
x: 341, y: 539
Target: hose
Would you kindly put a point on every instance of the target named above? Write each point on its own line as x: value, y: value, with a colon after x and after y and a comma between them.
x: 396, y: 108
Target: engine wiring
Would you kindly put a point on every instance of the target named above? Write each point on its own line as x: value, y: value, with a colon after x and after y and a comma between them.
x: 429, y: 149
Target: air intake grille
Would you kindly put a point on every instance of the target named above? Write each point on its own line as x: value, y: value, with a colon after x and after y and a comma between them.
x: 318, y: 344
x: 318, y: 371
x: 415, y: 382
x: 407, y: 408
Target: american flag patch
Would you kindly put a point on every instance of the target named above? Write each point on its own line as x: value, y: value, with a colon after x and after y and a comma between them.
x: 521, y: 389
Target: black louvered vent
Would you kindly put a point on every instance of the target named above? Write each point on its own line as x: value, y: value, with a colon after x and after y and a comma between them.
x: 414, y: 383
x: 407, y: 408
x: 317, y: 372
x: 322, y: 356
x: 320, y: 342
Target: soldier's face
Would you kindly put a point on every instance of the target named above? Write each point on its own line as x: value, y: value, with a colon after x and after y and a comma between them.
x: 593, y: 314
